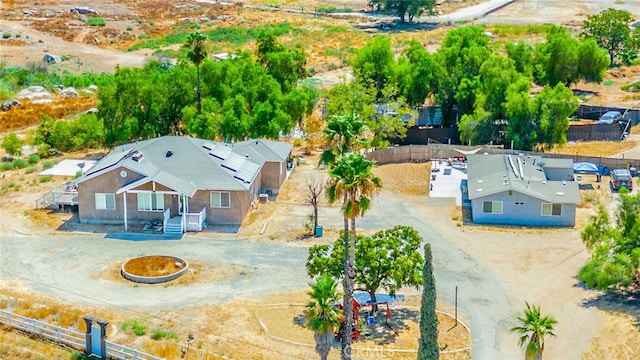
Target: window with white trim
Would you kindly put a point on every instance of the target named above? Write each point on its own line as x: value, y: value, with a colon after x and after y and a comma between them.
x: 549, y: 209
x: 148, y: 201
x: 105, y: 201
x: 492, y: 207
x: 220, y: 199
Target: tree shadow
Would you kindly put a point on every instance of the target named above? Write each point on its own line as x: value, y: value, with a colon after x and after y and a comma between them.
x: 621, y: 301
x: 381, y: 330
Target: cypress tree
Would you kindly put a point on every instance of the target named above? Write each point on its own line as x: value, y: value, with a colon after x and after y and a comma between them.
x: 428, y: 349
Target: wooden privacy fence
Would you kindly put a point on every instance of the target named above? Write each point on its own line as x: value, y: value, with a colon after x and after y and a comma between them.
x: 71, y: 338
x: 422, y: 153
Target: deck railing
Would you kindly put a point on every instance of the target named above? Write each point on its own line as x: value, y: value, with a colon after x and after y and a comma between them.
x: 195, y: 221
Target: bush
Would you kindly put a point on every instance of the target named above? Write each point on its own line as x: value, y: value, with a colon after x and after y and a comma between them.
x: 7, y: 166
x: 77, y: 355
x: 134, y: 325
x: 6, y: 35
x: 20, y: 163
x: 129, y: 28
x: 159, y: 334
x: 96, y: 21
x: 30, y: 170
x: 34, y: 159
x: 48, y: 164
x: 46, y: 178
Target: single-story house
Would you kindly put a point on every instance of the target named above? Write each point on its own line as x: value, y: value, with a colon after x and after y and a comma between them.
x: 185, y: 182
x: 521, y: 190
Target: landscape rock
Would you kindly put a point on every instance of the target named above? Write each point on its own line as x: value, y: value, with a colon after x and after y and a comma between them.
x: 34, y: 92
x: 41, y: 101
x: 93, y: 87
x: 83, y: 10
x: 92, y: 111
x: 29, y: 12
x: 8, y: 104
x: 69, y: 92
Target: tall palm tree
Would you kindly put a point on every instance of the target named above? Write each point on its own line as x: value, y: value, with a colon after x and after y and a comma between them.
x: 533, y: 329
x: 353, y: 182
x: 342, y: 134
x: 322, y: 317
x: 197, y: 53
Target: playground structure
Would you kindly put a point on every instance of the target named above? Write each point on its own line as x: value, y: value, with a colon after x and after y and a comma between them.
x: 362, y: 301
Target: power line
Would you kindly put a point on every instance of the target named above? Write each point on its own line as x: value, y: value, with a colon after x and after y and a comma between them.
x: 157, y: 317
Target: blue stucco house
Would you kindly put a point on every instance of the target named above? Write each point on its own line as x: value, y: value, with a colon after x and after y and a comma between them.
x: 521, y: 190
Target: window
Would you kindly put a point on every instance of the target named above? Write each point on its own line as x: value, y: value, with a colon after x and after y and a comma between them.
x: 105, y: 201
x: 492, y: 207
x: 549, y: 209
x: 220, y: 199
x: 148, y: 201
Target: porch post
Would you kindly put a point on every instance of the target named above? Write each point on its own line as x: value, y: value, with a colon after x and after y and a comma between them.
x: 184, y: 214
x: 124, y: 198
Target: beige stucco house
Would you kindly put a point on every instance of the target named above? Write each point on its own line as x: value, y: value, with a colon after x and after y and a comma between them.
x: 183, y: 181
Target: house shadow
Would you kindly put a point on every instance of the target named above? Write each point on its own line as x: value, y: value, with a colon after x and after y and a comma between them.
x: 626, y: 302
x: 139, y: 236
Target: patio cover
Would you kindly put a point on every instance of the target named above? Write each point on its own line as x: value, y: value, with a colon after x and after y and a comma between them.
x: 468, y: 152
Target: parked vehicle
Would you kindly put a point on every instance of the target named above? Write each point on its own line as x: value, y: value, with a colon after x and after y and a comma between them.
x: 621, y: 178
x: 610, y: 117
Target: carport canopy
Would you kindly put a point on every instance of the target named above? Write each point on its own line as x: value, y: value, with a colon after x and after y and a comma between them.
x: 585, y: 168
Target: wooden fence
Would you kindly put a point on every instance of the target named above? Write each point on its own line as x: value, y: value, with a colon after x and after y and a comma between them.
x: 70, y: 338
x: 422, y: 153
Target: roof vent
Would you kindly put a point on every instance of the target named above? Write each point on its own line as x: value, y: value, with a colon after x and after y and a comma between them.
x: 169, y: 153
x: 247, y: 156
x: 506, y: 182
x: 138, y: 156
x: 564, y: 182
x: 544, y: 182
x: 560, y: 193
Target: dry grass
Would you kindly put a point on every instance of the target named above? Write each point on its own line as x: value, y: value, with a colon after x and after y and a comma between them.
x: 405, y: 179
x: 595, y: 148
x: 153, y: 266
x: 29, y: 114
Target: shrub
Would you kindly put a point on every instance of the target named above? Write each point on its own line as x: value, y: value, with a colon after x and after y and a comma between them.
x: 159, y: 334
x: 7, y: 166
x: 96, y: 21
x: 46, y: 178
x: 12, y: 145
x: 30, y: 170
x: 34, y: 159
x: 134, y: 325
x: 48, y: 164
x: 20, y: 163
x: 129, y: 28
x: 77, y: 355
x: 6, y: 35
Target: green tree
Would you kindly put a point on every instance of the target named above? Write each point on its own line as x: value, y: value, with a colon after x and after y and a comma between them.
x: 428, y: 348
x: 388, y: 259
x: 342, y: 133
x: 12, y: 145
x: 418, y: 74
x: 411, y: 8
x: 533, y: 330
x: 615, y: 248
x: 610, y: 30
x: 563, y: 59
x: 374, y: 65
x: 197, y: 52
x: 461, y: 55
x: 521, y: 53
x: 353, y: 183
x: 287, y: 66
x: 553, y: 107
x: 323, y: 318
x: 350, y: 99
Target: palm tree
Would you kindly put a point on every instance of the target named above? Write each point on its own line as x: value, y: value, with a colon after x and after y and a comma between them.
x: 353, y: 182
x: 533, y: 331
x: 342, y: 134
x: 322, y: 317
x: 197, y: 53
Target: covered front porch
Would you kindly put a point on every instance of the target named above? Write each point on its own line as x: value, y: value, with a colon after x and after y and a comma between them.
x: 153, y: 199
